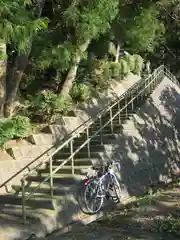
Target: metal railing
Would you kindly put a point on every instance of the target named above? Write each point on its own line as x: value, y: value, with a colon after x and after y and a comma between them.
x: 142, y: 88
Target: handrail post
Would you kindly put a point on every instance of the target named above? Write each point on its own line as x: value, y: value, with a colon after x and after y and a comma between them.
x: 23, y: 201
x: 149, y: 86
x: 154, y: 82
x: 119, y: 110
x: 88, y: 143
x: 101, y: 136
x: 111, y: 116
x: 145, y: 87
x: 72, y: 158
x: 126, y: 106
x: 132, y: 102
x: 51, y: 177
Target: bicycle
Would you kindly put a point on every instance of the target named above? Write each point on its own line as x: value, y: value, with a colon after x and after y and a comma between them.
x: 98, y: 187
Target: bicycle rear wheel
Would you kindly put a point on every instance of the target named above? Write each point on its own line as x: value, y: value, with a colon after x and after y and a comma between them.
x: 93, y: 196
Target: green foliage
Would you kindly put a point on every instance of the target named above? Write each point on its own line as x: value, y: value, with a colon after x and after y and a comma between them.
x: 139, y: 62
x: 17, y: 24
x: 107, y: 72
x: 101, y: 74
x: 80, y: 92
x: 16, y: 127
x: 74, y: 24
x: 170, y: 225
x: 91, y: 19
x: 115, y: 70
x: 130, y: 59
x: 140, y: 28
x: 146, y: 30
x: 124, y: 68
x: 59, y: 56
x: 21, y: 126
x: 46, y: 106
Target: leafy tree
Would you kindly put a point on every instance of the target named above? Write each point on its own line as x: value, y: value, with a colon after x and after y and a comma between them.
x: 139, y: 29
x: 82, y: 21
x: 18, y: 26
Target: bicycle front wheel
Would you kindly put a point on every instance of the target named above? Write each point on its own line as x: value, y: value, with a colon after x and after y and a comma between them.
x: 93, y: 196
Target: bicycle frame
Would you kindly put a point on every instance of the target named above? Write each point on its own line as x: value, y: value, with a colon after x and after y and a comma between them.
x: 104, y: 176
x: 100, y: 181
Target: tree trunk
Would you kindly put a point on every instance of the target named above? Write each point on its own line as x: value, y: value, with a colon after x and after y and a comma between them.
x: 3, y: 67
x: 20, y: 66
x: 117, y: 53
x: 71, y: 75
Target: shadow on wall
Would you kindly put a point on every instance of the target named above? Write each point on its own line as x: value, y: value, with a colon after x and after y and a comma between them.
x: 151, y: 150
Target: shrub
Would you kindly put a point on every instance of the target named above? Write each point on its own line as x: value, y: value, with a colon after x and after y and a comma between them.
x: 130, y: 59
x: 46, y: 105
x: 138, y: 64
x: 107, y: 72
x: 80, y: 92
x: 100, y: 75
x: 124, y: 68
x: 16, y: 127
x: 21, y: 125
x: 115, y: 70
x: 100, y: 81
x: 6, y: 131
x: 62, y: 105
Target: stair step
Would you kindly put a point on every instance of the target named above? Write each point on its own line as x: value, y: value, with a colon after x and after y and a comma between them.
x: 78, y: 162
x: 57, y: 178
x: 115, y: 120
x: 93, y: 148
x: 27, y: 152
x: 58, y: 189
x: 65, y: 169
x: 108, y: 127
x: 43, y: 139
x: 106, y: 130
x: 80, y: 154
x: 17, y: 142
x: 77, y: 143
x: 44, y: 201
x: 97, y: 137
x: 55, y: 129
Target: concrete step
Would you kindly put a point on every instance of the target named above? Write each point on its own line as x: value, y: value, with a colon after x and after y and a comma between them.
x: 80, y: 154
x: 106, y: 130
x: 28, y: 152
x: 56, y: 130
x: 38, y: 201
x: 58, y: 189
x: 138, y: 120
x: 106, y: 136
x: 93, y: 148
x: 43, y: 139
x: 93, y: 127
x: 106, y: 118
x: 115, y: 121
x: 77, y: 162
x: 129, y: 128
x: 65, y: 169
x: 17, y: 142
x: 93, y: 142
x: 64, y: 179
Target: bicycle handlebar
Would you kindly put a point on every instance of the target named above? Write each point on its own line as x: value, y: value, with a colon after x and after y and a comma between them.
x: 105, y: 167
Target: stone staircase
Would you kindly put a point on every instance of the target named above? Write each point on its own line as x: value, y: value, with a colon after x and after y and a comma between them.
x: 65, y: 183
x: 46, y: 204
